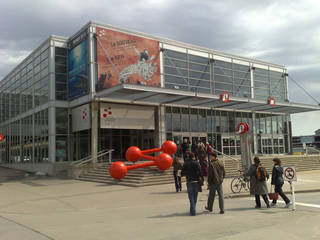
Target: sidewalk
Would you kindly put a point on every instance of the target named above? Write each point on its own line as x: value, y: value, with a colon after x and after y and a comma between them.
x: 49, y: 208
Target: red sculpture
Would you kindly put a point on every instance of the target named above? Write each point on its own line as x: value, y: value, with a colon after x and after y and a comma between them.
x: 163, y: 161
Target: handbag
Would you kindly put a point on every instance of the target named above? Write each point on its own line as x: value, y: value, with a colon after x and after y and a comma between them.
x: 273, y: 195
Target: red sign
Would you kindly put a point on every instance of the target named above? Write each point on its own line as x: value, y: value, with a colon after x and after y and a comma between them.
x: 289, y: 173
x: 124, y: 58
x: 242, y: 127
x: 271, y: 101
x: 225, y: 97
x: 1, y: 138
x: 106, y: 112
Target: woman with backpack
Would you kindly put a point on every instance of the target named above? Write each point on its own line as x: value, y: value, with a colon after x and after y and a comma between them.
x: 258, y: 186
x: 277, y: 181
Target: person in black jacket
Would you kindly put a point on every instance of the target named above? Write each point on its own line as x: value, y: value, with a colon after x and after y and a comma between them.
x: 184, y: 148
x: 277, y: 181
x: 191, y: 169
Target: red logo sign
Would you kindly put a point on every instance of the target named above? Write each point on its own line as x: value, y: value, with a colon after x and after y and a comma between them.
x: 106, y: 112
x: 84, y: 114
x: 271, y: 101
x: 242, y: 127
x: 1, y: 138
x: 225, y: 97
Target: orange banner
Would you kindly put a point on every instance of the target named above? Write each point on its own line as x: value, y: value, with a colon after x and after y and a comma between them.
x: 124, y: 58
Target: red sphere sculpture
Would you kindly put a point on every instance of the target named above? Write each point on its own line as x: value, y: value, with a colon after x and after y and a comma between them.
x: 118, y: 170
x: 169, y: 147
x: 163, y: 161
x: 133, y: 154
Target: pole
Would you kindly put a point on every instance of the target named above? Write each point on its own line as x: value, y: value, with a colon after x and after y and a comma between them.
x: 293, y: 196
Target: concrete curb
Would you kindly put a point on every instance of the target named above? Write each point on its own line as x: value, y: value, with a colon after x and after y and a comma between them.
x: 243, y: 195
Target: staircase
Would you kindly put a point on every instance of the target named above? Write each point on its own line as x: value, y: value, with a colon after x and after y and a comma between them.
x: 134, y: 178
x: 152, y: 176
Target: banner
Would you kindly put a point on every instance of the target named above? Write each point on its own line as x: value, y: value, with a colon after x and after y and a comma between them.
x: 124, y: 58
x: 81, y: 118
x: 78, y: 70
x: 121, y: 116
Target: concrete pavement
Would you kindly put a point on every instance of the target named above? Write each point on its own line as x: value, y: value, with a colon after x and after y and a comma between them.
x: 51, y: 208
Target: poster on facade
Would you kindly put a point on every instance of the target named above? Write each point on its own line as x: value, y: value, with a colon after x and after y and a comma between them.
x: 78, y: 71
x: 81, y: 118
x: 124, y: 58
x: 121, y: 116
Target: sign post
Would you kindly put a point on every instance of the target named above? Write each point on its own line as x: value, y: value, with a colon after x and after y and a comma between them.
x: 289, y: 174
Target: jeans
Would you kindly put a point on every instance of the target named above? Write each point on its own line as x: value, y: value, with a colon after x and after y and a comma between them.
x: 212, y: 193
x: 278, y: 189
x: 193, y: 188
x: 177, y: 180
x: 265, y: 198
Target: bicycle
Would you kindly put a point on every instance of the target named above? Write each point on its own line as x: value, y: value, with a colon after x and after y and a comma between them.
x: 239, y: 183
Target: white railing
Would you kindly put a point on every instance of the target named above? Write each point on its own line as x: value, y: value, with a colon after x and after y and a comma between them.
x: 228, y: 156
x: 100, y: 158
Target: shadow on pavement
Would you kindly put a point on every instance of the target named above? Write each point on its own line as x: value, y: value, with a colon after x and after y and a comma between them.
x: 184, y: 214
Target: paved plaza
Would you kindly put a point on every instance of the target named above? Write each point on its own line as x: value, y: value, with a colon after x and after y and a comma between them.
x: 49, y: 208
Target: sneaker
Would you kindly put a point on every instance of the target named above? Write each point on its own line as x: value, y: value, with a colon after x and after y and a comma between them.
x: 273, y: 204
x: 210, y: 210
x: 257, y: 206
x: 288, y: 205
x: 268, y: 206
x: 221, y: 212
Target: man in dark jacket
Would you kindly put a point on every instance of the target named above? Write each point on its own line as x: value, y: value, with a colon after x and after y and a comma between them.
x: 184, y: 148
x: 216, y: 174
x: 191, y: 170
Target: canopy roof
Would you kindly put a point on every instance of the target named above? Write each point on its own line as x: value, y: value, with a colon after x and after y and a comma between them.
x: 138, y: 94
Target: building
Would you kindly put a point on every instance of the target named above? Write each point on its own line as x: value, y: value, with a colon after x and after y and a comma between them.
x: 110, y: 88
x: 307, y: 140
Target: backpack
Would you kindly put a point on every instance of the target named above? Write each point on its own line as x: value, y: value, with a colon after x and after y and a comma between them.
x: 261, y: 173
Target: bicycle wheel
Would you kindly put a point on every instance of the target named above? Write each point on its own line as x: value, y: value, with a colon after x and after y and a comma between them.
x: 236, y: 185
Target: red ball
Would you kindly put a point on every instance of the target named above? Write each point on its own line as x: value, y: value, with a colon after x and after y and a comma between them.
x: 169, y: 147
x: 118, y: 170
x: 163, y: 161
x: 133, y: 154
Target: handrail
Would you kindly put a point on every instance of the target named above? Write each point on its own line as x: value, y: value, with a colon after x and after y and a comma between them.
x: 90, y: 158
x: 228, y: 157
x: 312, y: 148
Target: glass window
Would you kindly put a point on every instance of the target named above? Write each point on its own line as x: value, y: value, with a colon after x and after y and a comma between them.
x: 223, y: 71
x: 176, y: 121
x: 202, y: 120
x: 222, y: 64
x: 61, y: 60
x: 175, y: 63
x: 174, y: 54
x: 175, y: 71
x: 200, y: 68
x: 209, y: 121
x: 198, y: 59
x: 274, y: 124
x: 194, y: 120
x: 185, y: 125
x: 168, y: 119
x: 224, y: 122
x: 174, y: 79
x: 241, y: 67
x: 223, y: 79
x: 61, y: 120
x: 268, y: 124
x: 61, y: 51
x: 231, y: 118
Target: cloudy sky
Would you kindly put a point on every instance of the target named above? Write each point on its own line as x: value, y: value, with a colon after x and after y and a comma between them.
x: 284, y: 32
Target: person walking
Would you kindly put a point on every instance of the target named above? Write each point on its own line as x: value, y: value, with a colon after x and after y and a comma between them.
x: 184, y: 148
x: 191, y: 170
x: 177, y: 166
x: 202, y: 157
x: 258, y: 186
x: 216, y: 174
x: 277, y: 181
x: 208, y: 150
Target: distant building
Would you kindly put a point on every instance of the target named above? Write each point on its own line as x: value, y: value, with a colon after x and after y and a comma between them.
x: 307, y: 140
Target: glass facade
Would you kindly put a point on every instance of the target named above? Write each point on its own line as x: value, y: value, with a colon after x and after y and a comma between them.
x: 25, y: 108
x: 201, y: 74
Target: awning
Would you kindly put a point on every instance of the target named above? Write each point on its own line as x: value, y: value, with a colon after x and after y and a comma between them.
x: 137, y: 94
